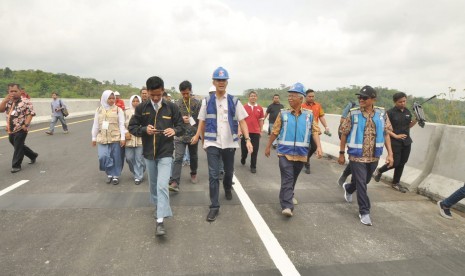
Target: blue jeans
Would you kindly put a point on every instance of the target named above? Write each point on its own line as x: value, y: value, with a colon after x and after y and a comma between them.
x: 55, y: 120
x: 214, y: 155
x: 135, y: 161
x: 455, y: 197
x: 290, y: 171
x: 158, y: 171
x: 109, y: 157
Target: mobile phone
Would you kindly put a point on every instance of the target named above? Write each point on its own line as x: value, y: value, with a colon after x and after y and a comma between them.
x: 159, y: 131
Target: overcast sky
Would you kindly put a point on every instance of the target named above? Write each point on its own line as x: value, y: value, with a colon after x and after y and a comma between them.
x: 416, y: 46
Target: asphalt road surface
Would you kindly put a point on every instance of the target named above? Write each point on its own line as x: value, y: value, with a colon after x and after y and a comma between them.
x: 61, y: 218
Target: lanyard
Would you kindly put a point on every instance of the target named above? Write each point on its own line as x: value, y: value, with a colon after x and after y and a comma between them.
x: 188, y: 107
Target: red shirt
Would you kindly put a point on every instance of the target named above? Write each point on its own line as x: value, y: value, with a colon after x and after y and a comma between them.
x: 253, y: 120
x: 120, y: 103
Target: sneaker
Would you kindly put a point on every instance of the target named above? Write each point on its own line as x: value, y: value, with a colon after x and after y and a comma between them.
x: 174, y: 187
x: 347, y: 196
x: 115, y: 181
x: 137, y: 181
x: 194, y: 179
x: 398, y: 187
x: 377, y: 175
x: 274, y: 146
x: 341, y: 180
x: 65, y: 132
x: 212, y: 214
x: 287, y: 212
x: 228, y: 195
x: 443, y: 211
x: 221, y: 175
x: 365, y: 219
x: 294, y: 201
x: 109, y: 178
x: 49, y: 132
x: 15, y: 170
x: 160, y: 231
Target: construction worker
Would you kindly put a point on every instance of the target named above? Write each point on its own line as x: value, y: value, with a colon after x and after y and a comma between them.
x: 295, y: 128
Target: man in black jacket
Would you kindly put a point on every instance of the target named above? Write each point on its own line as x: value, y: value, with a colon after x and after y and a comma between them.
x: 157, y: 122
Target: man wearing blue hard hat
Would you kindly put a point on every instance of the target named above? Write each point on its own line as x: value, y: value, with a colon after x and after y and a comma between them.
x: 294, y: 128
x: 220, y: 117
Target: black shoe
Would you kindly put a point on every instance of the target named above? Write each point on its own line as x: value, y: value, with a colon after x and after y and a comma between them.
x: 137, y: 181
x: 307, y: 169
x: 228, y: 195
x: 212, y: 214
x: 253, y: 170
x: 33, y: 160
x: 115, y: 181
x: 160, y: 229
x: 243, y: 161
x: 15, y: 170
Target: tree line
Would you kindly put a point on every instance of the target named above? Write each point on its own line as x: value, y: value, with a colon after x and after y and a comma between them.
x: 449, y: 108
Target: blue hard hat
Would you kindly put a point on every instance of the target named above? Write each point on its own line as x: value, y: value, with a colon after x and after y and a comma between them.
x: 297, y: 88
x: 220, y: 74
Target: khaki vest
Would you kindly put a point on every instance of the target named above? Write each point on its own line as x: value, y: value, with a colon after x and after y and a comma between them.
x: 112, y: 134
x: 135, y: 141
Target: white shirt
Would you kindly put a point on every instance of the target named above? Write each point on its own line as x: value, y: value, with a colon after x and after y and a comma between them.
x: 224, y: 137
x: 154, y: 103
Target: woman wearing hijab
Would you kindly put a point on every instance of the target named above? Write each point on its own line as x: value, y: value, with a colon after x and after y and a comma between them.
x: 108, y: 132
x: 134, y: 156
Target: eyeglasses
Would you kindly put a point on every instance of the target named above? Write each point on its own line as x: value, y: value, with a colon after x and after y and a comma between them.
x: 363, y: 98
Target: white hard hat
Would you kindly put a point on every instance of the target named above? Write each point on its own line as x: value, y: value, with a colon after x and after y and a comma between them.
x: 212, y: 89
x: 116, y: 93
x: 169, y: 95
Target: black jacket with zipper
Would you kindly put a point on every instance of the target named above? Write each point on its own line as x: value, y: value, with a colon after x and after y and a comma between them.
x: 168, y: 116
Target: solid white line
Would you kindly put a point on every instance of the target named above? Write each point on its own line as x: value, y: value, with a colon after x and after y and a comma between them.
x: 12, y: 187
x: 277, y: 253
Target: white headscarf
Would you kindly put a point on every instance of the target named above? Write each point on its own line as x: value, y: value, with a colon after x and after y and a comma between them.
x: 132, y: 98
x: 104, y: 99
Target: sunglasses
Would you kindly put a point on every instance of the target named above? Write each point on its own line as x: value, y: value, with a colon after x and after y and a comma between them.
x: 363, y: 98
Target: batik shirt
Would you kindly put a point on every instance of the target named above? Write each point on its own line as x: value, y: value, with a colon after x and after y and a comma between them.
x: 16, y: 113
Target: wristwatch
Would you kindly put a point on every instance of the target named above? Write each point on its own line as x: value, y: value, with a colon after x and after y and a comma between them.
x: 342, y: 152
x: 248, y: 138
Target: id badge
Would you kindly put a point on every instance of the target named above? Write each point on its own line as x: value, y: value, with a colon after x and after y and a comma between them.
x: 225, y: 116
x: 105, y: 125
x: 191, y: 121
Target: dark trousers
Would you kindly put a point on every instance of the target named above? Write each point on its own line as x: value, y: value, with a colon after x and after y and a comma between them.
x: 255, y: 139
x: 17, y: 140
x: 179, y: 150
x: 311, y: 151
x: 455, y: 197
x: 401, y: 154
x: 214, y: 154
x: 361, y: 175
x: 347, y: 171
x: 290, y: 171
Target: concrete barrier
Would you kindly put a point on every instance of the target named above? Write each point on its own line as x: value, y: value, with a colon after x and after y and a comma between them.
x: 448, y: 170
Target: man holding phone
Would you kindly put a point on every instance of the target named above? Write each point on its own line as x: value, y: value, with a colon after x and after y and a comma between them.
x: 157, y: 121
